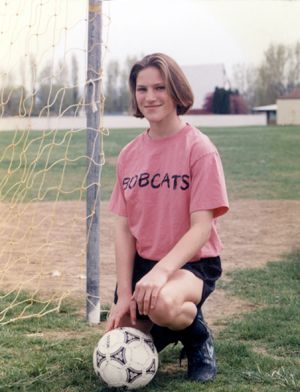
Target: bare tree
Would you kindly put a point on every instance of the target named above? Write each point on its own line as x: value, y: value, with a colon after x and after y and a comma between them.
x: 74, y: 81
x: 61, y: 74
x: 278, y: 74
x: 117, y: 89
x: 112, y: 90
x: 244, y: 80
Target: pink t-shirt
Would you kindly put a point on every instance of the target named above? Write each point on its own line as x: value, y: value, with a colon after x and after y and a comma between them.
x: 160, y: 182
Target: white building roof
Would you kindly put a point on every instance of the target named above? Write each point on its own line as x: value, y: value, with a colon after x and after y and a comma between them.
x: 265, y: 108
x: 204, y: 78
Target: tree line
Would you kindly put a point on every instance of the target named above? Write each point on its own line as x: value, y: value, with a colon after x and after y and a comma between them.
x: 277, y: 75
x: 56, y: 91
x: 116, y: 89
x: 50, y: 91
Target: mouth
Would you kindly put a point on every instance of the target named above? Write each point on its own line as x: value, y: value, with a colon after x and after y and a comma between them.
x: 152, y: 106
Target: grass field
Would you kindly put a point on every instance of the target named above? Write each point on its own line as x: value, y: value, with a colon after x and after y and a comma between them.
x: 259, y: 162
x: 257, y: 351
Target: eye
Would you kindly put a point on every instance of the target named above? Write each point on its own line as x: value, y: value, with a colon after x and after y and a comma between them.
x: 161, y: 88
x: 141, y: 89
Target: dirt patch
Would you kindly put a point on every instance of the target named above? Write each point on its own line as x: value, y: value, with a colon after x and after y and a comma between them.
x: 253, y: 232
x: 42, y: 247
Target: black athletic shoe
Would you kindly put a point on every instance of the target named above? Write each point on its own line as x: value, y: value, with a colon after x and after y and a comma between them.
x: 163, y: 336
x: 199, y: 349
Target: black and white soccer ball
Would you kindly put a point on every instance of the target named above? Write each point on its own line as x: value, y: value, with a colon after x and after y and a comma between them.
x: 125, y: 357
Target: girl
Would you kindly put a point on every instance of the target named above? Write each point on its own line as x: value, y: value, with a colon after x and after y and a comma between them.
x: 169, y: 191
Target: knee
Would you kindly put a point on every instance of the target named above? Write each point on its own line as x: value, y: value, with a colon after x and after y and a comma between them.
x: 165, y: 310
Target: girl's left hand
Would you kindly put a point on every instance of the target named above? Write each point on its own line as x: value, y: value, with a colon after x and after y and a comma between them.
x: 147, y: 290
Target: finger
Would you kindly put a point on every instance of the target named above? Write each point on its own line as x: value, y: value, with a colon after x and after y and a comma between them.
x: 110, y: 319
x: 132, y: 309
x: 154, y: 298
x: 138, y: 295
x: 141, y: 305
x: 109, y: 325
x: 116, y: 322
x: 147, y: 302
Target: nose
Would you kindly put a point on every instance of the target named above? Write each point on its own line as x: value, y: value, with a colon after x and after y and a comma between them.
x: 150, y: 96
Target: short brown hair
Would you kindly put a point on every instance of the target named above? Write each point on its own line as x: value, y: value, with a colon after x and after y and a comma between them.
x: 176, y: 82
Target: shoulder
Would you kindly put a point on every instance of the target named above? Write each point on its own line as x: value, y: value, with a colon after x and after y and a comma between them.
x: 200, y: 144
x: 130, y: 148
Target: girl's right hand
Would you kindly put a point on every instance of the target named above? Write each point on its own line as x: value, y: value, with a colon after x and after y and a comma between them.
x: 122, y: 308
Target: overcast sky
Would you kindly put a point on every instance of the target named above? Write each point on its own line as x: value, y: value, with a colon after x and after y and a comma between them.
x: 191, y: 31
x: 201, y: 31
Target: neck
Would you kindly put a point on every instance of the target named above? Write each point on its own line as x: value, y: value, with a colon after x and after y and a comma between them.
x: 165, y: 128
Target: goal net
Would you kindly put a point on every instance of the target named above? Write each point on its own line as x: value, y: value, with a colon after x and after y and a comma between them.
x: 43, y: 160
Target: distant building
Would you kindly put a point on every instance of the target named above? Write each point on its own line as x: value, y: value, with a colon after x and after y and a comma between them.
x: 288, y: 108
x: 204, y: 79
x: 269, y: 110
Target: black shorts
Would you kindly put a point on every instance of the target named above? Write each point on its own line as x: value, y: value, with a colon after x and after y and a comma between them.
x: 207, y: 269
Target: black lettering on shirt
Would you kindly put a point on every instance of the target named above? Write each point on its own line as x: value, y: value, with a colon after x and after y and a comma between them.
x: 175, y: 181
x: 175, y: 177
x: 144, y: 179
x: 185, y: 178
x: 133, y: 182
x: 166, y: 179
x: 152, y: 181
x: 125, y: 182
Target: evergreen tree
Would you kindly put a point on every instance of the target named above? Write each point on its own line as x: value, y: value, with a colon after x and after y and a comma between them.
x: 221, y: 101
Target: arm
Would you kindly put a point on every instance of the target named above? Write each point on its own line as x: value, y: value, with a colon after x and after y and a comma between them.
x: 186, y: 248
x: 148, y: 287
x: 125, y: 252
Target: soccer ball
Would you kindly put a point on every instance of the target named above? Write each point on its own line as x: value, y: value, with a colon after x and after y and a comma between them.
x: 125, y: 357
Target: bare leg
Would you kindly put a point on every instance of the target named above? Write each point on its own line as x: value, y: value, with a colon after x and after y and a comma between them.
x: 176, y: 305
x: 185, y: 317
x: 176, y: 309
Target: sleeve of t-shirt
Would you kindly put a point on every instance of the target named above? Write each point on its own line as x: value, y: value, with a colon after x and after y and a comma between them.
x: 117, y: 203
x: 208, y: 188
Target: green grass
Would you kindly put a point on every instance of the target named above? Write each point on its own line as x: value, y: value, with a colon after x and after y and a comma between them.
x: 42, y: 165
x: 256, y: 351
x: 259, y: 162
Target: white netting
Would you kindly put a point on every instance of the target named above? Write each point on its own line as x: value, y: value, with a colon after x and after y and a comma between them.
x: 43, y: 162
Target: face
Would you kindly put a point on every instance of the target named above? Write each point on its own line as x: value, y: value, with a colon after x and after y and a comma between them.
x: 152, y: 97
